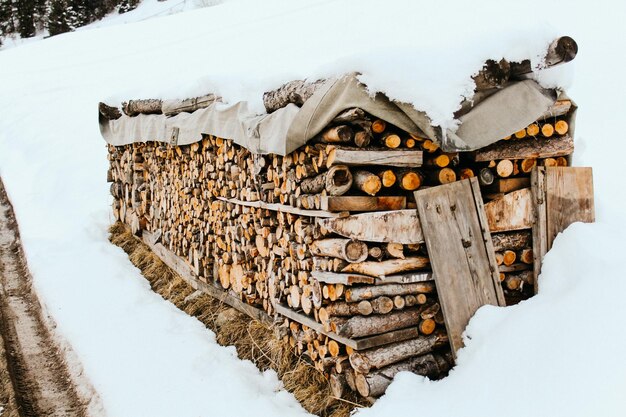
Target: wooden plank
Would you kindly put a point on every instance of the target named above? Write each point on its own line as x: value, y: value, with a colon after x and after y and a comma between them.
x: 185, y: 271
x: 540, y: 240
x: 529, y: 148
x: 400, y: 226
x: 357, y: 344
x: 488, y: 243
x: 283, y: 208
x: 458, y: 243
x: 395, y: 158
x: 569, y: 198
x: 362, y: 203
x: 351, y: 279
x: 506, y: 185
x: 339, y: 278
x: 514, y: 211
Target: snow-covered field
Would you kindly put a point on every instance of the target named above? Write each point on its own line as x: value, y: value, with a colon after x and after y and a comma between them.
x: 561, y: 353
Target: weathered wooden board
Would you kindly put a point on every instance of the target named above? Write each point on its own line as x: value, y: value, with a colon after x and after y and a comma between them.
x: 185, y: 271
x: 401, y: 226
x: 357, y: 344
x: 562, y: 196
x: 521, y: 149
x: 514, y: 211
x: 351, y: 279
x: 461, y: 252
x: 362, y: 203
x: 569, y: 198
x: 395, y: 158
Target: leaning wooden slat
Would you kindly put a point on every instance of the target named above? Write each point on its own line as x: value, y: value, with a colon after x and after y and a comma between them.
x: 522, y: 149
x: 461, y: 252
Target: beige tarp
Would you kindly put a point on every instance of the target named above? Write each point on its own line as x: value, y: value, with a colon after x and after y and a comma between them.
x: 490, y: 119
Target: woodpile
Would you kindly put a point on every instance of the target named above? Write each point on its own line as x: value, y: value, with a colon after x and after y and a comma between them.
x: 325, y: 238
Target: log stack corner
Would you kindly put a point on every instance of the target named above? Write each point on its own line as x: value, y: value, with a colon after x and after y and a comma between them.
x: 326, y: 242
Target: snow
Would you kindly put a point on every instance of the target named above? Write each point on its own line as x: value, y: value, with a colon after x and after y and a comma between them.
x: 560, y: 353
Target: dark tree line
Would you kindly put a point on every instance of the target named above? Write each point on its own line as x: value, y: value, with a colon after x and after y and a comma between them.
x: 27, y: 17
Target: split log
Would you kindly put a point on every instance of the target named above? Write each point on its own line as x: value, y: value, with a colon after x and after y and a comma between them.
x: 343, y: 309
x: 362, y: 203
x: 387, y: 178
x: 338, y: 384
x: 366, y: 361
x: 506, y: 185
x: 561, y: 146
x: 409, y: 180
x: 336, y: 181
x: 504, y: 168
x: 375, y: 383
x: 441, y: 176
x: 391, y: 140
x: 512, y: 240
x: 359, y: 326
x: 350, y: 250
x: 368, y: 292
x: 388, y: 267
x: 367, y: 182
x: 393, y: 226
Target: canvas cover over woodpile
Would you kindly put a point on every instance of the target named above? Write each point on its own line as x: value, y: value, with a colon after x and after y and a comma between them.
x: 357, y: 244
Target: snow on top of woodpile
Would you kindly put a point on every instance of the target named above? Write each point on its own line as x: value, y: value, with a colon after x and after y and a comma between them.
x: 418, y: 52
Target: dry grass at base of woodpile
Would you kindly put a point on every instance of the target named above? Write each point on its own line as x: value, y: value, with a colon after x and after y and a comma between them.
x: 253, y: 340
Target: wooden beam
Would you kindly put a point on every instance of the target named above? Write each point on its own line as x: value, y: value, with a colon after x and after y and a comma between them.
x: 514, y: 211
x: 395, y: 158
x: 335, y: 204
x: 461, y: 252
x: 185, y: 271
x: 540, y: 240
x: 528, y: 148
x: 356, y: 344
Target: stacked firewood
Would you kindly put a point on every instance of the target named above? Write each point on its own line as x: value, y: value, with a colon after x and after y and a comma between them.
x: 359, y: 309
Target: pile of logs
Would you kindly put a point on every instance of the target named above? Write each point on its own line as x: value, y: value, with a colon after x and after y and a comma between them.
x: 281, y: 234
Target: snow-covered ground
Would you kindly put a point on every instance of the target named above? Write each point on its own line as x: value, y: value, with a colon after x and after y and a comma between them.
x: 561, y: 353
